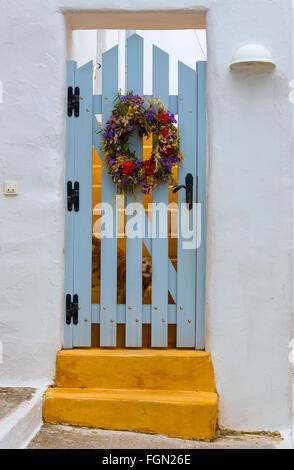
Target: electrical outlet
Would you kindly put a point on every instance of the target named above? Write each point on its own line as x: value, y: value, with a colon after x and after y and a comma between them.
x: 10, y: 188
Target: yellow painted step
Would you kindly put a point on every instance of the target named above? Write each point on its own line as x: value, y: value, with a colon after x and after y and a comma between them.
x: 187, y: 415
x: 171, y: 369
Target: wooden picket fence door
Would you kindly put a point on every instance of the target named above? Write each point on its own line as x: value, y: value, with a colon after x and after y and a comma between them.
x: 185, y: 283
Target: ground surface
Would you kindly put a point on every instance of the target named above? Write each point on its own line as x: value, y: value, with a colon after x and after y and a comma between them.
x: 67, y: 437
x: 11, y: 398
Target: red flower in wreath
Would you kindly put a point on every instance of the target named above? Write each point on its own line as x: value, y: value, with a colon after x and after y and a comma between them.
x: 164, y: 118
x: 128, y: 169
x: 149, y: 167
x: 164, y: 132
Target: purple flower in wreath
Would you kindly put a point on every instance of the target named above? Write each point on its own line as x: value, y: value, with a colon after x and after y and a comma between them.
x: 150, y: 115
x: 172, y: 118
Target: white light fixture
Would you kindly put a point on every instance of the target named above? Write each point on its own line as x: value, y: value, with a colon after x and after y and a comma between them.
x: 253, y: 57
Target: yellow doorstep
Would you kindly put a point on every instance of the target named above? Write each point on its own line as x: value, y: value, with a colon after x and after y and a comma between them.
x: 171, y: 369
x: 183, y: 414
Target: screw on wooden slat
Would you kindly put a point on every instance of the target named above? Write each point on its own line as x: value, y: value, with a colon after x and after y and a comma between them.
x: 155, y: 308
x: 163, y: 320
x: 130, y: 308
x: 137, y: 320
x: 111, y: 321
x: 189, y: 321
x: 104, y: 308
x: 181, y: 308
x: 85, y: 320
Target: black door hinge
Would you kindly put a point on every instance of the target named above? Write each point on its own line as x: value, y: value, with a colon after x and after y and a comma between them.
x: 72, y: 309
x: 73, y: 101
x: 73, y: 196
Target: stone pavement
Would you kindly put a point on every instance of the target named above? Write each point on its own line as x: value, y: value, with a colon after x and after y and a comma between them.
x: 12, y: 397
x: 67, y: 437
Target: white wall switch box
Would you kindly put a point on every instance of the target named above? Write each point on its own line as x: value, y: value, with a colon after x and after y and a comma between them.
x: 10, y: 188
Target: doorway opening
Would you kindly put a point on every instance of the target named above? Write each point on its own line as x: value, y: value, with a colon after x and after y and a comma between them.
x: 91, y: 45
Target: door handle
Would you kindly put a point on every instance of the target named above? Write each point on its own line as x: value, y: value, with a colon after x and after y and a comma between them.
x: 189, y: 189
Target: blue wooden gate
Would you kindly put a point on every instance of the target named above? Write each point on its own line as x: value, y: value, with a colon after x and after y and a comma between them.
x: 183, y: 281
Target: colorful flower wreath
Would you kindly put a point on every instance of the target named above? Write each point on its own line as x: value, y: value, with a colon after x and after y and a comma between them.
x: 151, y: 119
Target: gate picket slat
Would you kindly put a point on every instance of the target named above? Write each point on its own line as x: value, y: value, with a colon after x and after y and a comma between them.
x: 201, y: 199
x: 134, y: 246
x: 108, y: 283
x: 97, y: 104
x: 83, y: 218
x: 173, y: 104
x: 69, y: 216
x: 186, y: 272
x: 160, y: 195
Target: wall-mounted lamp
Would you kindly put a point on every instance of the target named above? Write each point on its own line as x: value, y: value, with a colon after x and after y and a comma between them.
x: 253, y: 57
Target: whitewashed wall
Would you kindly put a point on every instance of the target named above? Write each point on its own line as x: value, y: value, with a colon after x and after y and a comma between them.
x: 249, y: 262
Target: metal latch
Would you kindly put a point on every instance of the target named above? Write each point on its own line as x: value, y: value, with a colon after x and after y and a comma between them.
x: 189, y: 189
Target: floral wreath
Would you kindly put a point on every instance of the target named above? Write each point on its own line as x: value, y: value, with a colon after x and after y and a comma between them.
x: 151, y: 118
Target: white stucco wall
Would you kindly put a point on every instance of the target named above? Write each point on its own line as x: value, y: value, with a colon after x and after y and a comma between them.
x: 249, y: 232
